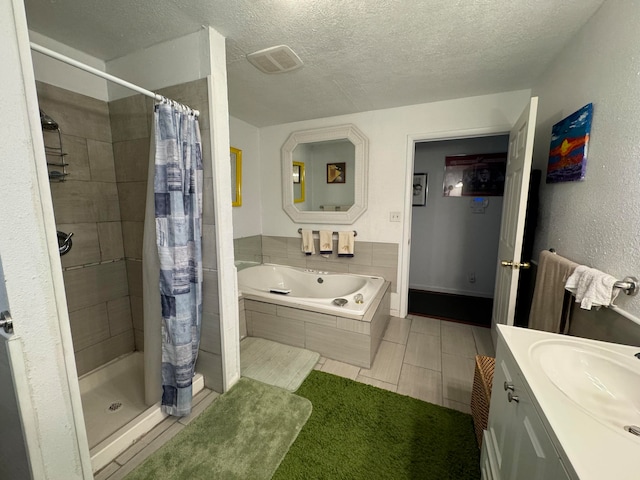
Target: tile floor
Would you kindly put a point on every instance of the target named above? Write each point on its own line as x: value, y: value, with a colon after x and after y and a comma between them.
x: 425, y: 358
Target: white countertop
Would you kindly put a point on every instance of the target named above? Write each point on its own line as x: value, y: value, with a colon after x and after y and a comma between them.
x: 593, y: 450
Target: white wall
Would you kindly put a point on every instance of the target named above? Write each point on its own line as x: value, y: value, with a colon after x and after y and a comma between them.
x: 168, y: 63
x: 596, y: 221
x: 389, y: 132
x: 55, y: 72
x: 247, y: 218
x: 448, y: 240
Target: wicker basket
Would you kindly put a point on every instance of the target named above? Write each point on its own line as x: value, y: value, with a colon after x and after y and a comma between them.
x: 481, y: 394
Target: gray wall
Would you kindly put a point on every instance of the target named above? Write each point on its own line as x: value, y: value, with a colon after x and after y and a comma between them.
x: 95, y: 273
x: 448, y: 240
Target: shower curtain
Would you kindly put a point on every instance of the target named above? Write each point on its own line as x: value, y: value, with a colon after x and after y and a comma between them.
x: 178, y: 217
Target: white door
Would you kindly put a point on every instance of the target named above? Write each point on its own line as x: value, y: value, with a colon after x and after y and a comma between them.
x: 513, y: 216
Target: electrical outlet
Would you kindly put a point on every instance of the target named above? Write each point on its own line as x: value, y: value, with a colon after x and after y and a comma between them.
x: 394, y: 216
x: 472, y: 277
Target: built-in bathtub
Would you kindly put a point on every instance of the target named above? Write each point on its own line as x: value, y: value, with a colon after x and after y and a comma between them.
x: 307, y: 317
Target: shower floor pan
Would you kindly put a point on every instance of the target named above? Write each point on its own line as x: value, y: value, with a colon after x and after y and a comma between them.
x: 115, y: 413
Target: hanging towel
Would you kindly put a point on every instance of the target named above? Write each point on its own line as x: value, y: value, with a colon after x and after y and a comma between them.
x: 345, y: 244
x: 592, y: 287
x: 548, y: 295
x: 326, y: 242
x: 307, y: 242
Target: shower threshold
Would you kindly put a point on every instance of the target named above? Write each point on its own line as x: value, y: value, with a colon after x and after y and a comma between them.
x: 114, y: 409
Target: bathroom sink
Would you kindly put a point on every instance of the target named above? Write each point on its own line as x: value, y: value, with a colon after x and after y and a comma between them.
x: 604, y: 383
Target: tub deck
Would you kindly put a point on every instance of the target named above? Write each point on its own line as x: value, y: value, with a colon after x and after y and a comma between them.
x: 352, y: 339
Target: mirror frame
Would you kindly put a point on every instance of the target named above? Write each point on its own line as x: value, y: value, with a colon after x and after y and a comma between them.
x: 361, y: 143
x: 237, y: 166
x: 301, y: 182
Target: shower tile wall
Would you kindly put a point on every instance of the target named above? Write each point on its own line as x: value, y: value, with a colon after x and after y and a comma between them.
x: 131, y: 124
x: 94, y: 271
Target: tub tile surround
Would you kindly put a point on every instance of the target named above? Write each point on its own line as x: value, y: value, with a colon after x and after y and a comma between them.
x: 370, y: 258
x: 345, y: 339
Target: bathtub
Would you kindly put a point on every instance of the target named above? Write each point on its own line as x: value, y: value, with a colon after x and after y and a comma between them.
x: 304, y: 315
x: 310, y: 288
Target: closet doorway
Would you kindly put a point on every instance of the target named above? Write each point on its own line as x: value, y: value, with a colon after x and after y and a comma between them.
x: 454, y: 239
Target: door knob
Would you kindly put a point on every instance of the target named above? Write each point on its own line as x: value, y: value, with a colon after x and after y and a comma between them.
x: 516, y: 265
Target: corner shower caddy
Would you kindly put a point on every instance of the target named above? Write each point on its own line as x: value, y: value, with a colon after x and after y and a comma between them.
x: 55, y: 154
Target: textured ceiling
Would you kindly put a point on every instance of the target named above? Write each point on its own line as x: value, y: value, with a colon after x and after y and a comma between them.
x: 359, y: 55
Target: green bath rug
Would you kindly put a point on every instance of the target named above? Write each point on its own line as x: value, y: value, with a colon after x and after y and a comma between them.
x: 357, y: 431
x: 244, y: 434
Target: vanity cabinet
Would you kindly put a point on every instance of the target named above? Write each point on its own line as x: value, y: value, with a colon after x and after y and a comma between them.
x: 516, y: 444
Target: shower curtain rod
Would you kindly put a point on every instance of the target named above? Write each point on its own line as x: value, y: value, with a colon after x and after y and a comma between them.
x: 106, y: 76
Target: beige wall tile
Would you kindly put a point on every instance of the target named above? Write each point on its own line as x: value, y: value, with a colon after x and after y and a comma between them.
x: 337, y: 344
x: 261, y: 307
x: 85, y: 248
x: 385, y: 255
x: 243, y: 321
x: 207, y: 165
x: 210, y: 333
x: 137, y: 312
x: 484, y: 343
x: 83, y: 202
x: 101, y: 161
x: 129, y: 118
x: 306, y: 316
x: 247, y: 248
x: 138, y: 336
x: 387, y: 364
x: 89, y: 326
x: 194, y: 94
x: 208, y: 214
x: 210, y: 296
x: 103, y: 352
x: 362, y: 254
x: 119, y: 311
x: 283, y: 330
x: 274, y: 246
x: 96, y: 284
x: 131, y: 159
x: 209, y: 258
x: 77, y: 157
x: 353, y: 325
x: 210, y: 365
x: 288, y: 261
x: 134, y: 277
x: 132, y: 236
x: 76, y: 114
x: 316, y: 262
x: 133, y: 200
x: 110, y: 236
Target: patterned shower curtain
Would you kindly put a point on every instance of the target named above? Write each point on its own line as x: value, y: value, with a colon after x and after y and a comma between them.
x: 178, y: 212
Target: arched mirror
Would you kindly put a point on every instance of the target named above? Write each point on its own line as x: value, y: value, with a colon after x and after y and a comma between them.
x: 336, y: 165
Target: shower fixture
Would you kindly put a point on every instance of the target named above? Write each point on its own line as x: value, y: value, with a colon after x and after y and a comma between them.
x: 47, y: 122
x: 55, y: 154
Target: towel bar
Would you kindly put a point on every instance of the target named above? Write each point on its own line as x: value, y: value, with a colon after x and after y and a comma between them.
x: 629, y: 285
x: 355, y: 234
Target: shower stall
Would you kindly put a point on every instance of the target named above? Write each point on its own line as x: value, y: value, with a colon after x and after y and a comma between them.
x: 99, y: 155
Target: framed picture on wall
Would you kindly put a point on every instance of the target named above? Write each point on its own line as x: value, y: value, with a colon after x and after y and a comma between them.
x: 336, y: 172
x: 419, y: 189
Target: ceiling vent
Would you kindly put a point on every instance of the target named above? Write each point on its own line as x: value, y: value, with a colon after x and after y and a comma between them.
x: 278, y: 59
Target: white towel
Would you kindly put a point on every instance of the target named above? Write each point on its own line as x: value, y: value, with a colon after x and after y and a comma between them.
x: 326, y: 242
x: 592, y: 287
x: 345, y: 244
x: 308, y: 247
